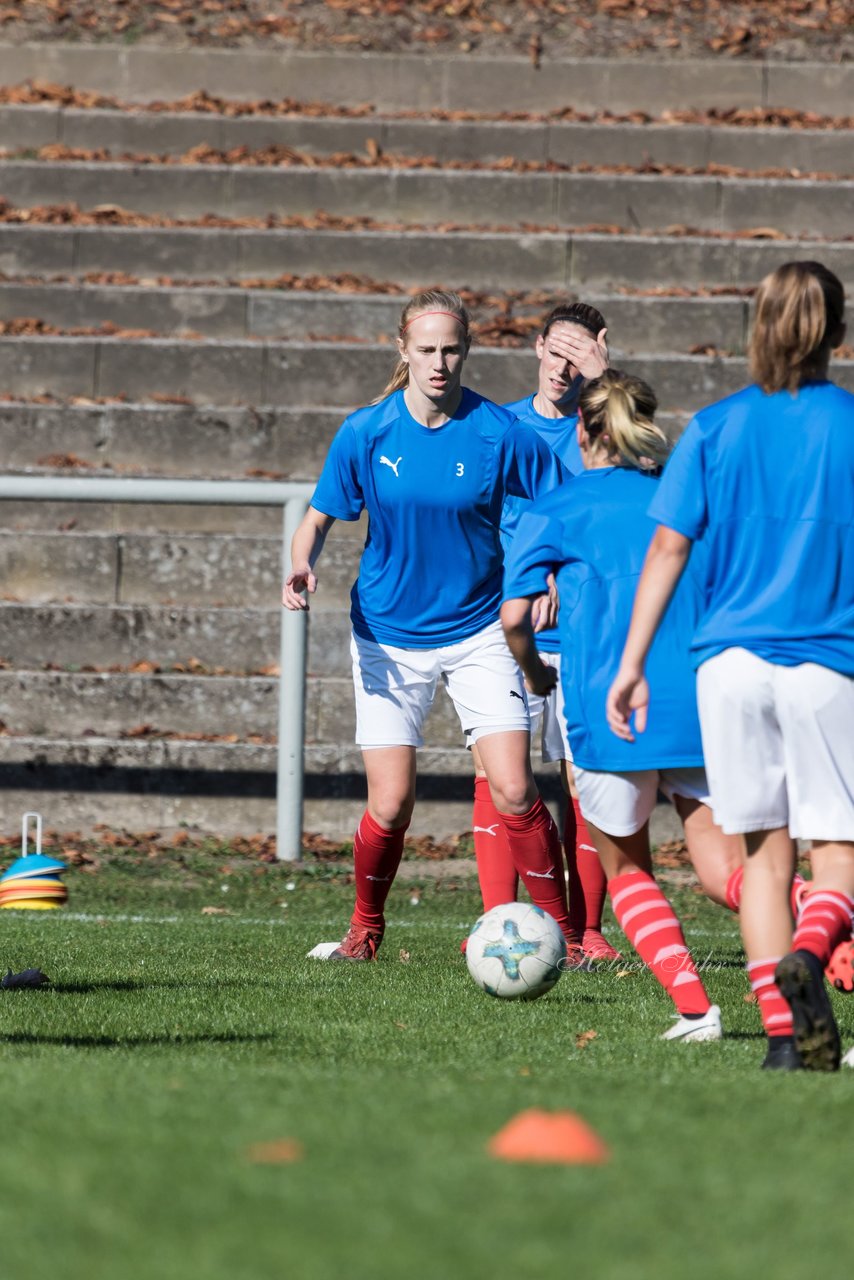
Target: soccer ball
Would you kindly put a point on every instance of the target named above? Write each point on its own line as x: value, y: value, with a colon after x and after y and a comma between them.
x: 516, y: 952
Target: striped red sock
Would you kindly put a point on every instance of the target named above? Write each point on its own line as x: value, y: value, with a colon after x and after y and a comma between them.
x: 496, y: 871
x: 536, y: 852
x: 824, y: 921
x: 647, y: 920
x: 733, y: 891
x: 775, y: 1011
x: 377, y: 853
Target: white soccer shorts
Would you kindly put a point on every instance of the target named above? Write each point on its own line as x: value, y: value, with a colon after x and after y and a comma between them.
x: 395, y: 688
x: 779, y: 745
x: 549, y: 712
x: 621, y: 803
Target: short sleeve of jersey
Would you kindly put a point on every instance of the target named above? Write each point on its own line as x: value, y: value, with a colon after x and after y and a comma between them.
x: 531, y: 468
x: 535, y: 552
x: 339, y: 492
x: 681, y: 500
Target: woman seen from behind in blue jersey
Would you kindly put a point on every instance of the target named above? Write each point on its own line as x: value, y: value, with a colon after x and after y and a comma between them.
x: 765, y: 478
x: 592, y: 534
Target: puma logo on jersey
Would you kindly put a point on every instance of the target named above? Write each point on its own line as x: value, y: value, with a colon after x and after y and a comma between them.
x: 542, y: 875
x: 514, y: 694
x: 488, y: 831
x: 388, y: 462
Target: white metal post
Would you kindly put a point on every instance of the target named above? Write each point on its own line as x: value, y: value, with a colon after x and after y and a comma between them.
x: 289, y: 778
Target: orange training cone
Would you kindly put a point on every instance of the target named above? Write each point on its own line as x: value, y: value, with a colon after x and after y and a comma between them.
x: 548, y: 1137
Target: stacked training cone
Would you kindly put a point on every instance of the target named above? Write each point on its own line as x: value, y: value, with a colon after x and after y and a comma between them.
x: 33, y: 882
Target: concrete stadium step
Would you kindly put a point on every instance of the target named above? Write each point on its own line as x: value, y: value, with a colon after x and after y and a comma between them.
x: 77, y: 704
x: 239, y: 640
x: 634, y: 323
x: 228, y: 787
x: 473, y: 259
x: 206, y: 441
x: 174, y: 133
x: 261, y: 373
x: 636, y: 201
x: 452, y: 82
x: 211, y: 442
x: 172, y: 568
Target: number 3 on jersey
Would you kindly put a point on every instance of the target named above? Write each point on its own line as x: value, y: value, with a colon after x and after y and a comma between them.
x: 460, y: 469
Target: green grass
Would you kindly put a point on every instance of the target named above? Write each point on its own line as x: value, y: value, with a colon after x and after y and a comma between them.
x: 171, y: 1041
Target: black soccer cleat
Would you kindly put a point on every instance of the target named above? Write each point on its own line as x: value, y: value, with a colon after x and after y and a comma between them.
x: 800, y: 977
x: 782, y: 1055
x: 26, y: 978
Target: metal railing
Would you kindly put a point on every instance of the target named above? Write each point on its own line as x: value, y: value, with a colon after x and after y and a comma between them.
x: 294, y: 498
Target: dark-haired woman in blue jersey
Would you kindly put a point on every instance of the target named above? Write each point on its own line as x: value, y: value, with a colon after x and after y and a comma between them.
x: 432, y: 463
x: 571, y: 350
x: 592, y: 535
x: 765, y: 478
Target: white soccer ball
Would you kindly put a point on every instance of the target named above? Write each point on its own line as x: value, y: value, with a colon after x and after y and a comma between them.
x: 516, y: 951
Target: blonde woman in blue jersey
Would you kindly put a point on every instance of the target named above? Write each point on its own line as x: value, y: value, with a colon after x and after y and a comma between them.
x: 432, y: 463
x: 765, y: 478
x: 592, y: 535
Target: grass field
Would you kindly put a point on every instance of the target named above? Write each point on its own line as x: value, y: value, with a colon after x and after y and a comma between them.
x: 171, y: 1041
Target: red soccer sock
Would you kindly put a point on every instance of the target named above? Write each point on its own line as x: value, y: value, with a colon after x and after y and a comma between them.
x: 587, y: 884
x: 734, y: 884
x: 536, y: 853
x: 775, y: 1011
x: 593, y: 880
x: 647, y: 920
x: 377, y: 853
x: 825, y: 920
x: 496, y: 871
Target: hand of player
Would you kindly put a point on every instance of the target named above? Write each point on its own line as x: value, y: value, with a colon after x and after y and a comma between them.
x: 589, y: 355
x: 628, y: 694
x: 544, y: 609
x: 297, y: 581
x: 541, y: 679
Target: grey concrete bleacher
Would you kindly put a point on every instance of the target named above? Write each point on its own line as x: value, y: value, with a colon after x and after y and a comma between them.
x: 255, y: 379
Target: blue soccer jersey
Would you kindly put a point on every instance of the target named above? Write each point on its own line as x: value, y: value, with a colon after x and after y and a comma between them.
x: 431, y: 569
x: 560, y: 435
x: 593, y: 533
x: 767, y: 481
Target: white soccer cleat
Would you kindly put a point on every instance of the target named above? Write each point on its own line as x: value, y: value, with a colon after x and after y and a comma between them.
x: 323, y: 950
x: 848, y: 1059
x: 696, y: 1030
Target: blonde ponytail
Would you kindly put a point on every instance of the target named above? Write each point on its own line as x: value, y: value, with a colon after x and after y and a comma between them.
x: 618, y: 411
x: 421, y: 303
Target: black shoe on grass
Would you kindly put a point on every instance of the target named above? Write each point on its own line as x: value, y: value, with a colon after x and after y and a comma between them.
x: 800, y: 977
x: 28, y: 978
x: 782, y: 1055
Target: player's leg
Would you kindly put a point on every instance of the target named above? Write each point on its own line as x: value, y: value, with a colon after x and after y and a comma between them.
x: 743, y: 749
x: 816, y: 710
x: 394, y: 690
x: 618, y: 808
x: 486, y: 688
x: 718, y: 859
x: 585, y: 877
x: 496, y: 870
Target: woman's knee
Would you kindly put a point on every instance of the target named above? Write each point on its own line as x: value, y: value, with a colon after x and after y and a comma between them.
x: 391, y: 809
